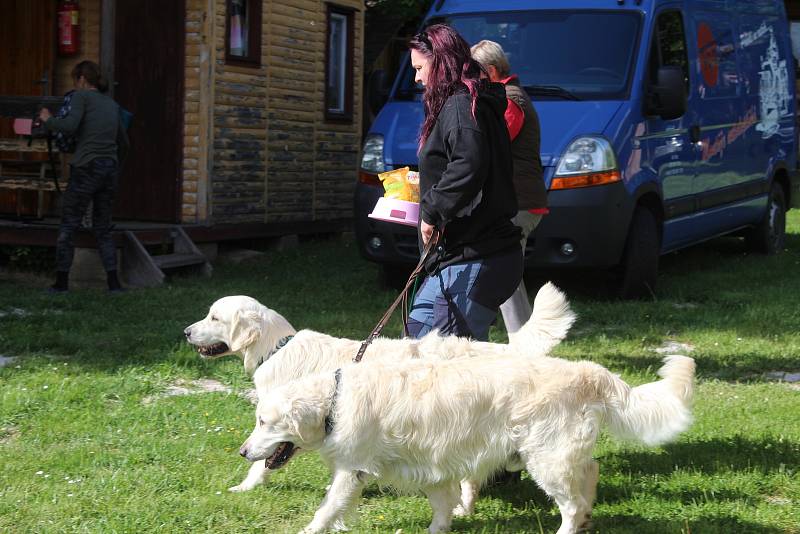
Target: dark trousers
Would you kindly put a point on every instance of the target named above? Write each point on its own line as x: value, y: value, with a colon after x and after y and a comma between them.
x: 94, y: 182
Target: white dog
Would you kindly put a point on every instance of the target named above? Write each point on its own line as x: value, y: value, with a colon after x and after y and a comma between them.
x: 426, y: 424
x: 266, y: 341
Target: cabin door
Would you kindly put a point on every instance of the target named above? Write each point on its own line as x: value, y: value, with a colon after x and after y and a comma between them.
x: 148, y: 69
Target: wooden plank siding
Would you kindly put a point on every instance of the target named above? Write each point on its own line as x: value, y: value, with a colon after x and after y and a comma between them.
x: 269, y: 154
x: 199, y: 93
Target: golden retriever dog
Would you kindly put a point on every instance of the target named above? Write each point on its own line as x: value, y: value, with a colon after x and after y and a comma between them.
x: 427, y: 424
x: 271, y: 347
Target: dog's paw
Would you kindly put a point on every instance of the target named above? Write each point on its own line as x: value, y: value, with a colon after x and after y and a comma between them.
x: 460, y: 511
x: 240, y: 488
x: 339, y: 526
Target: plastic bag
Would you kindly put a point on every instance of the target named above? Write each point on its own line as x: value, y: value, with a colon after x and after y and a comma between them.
x: 401, y: 184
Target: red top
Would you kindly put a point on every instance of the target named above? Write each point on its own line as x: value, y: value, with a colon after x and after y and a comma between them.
x: 515, y: 118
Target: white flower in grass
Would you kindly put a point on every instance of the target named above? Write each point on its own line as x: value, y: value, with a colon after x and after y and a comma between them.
x: 47, y: 476
x: 45, y: 387
x: 219, y: 493
x: 39, y: 472
x: 70, y: 495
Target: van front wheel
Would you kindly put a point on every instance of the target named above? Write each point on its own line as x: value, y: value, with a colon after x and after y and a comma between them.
x: 640, y: 259
x: 769, y: 237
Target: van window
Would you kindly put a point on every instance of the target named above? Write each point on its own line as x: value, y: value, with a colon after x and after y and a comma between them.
x: 796, y: 41
x: 668, y: 48
x: 587, y: 52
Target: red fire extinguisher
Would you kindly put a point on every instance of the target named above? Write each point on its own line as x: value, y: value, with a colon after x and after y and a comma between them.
x: 68, y: 28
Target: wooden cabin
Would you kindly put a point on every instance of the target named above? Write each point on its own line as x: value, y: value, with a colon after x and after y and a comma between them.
x: 247, y: 115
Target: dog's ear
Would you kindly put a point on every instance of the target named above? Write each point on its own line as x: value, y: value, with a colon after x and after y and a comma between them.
x: 306, y: 420
x: 245, y: 329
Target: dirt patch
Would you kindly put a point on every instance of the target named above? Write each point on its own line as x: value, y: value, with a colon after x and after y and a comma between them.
x: 772, y: 499
x: 790, y: 378
x: 674, y: 347
x: 784, y: 376
x: 189, y: 387
x: 14, y: 312
x: 250, y: 395
x: 8, y: 434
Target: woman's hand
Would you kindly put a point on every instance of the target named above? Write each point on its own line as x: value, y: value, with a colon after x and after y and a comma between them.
x: 427, y: 231
x: 44, y: 114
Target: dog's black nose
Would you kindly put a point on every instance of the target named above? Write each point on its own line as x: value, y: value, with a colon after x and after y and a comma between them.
x: 187, y: 332
x: 243, y: 451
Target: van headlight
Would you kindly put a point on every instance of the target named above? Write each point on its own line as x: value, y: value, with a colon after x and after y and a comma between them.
x: 588, y: 161
x: 372, y: 154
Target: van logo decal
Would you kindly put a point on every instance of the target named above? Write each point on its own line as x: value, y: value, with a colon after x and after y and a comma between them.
x: 773, y: 89
x: 709, y: 60
x: 773, y: 80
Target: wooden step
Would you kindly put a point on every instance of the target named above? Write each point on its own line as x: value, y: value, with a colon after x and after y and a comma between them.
x: 171, y: 261
x: 140, y: 269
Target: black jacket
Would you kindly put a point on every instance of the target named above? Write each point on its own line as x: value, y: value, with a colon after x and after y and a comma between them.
x: 466, y: 177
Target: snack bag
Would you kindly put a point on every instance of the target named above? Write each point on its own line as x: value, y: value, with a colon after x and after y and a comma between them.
x: 401, y: 184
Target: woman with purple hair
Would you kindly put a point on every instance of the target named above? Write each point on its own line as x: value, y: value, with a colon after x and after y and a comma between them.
x: 467, y: 197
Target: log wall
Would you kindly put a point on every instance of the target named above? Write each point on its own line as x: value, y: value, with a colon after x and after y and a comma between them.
x: 270, y: 155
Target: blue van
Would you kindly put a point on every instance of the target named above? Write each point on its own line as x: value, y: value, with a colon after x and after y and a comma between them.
x: 664, y: 123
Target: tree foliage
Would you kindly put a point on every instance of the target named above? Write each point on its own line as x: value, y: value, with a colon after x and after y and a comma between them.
x: 405, y: 9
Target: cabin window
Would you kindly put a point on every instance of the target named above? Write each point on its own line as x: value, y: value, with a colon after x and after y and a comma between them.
x: 339, y: 65
x: 243, y: 32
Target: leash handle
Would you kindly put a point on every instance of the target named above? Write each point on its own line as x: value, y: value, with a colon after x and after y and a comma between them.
x: 402, y: 297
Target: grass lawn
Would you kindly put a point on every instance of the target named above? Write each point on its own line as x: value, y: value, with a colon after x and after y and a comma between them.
x: 88, y: 443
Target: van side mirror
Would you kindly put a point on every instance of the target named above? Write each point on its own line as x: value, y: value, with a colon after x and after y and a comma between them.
x: 377, y: 90
x: 667, y: 99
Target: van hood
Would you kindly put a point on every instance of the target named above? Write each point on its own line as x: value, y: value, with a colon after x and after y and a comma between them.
x: 399, y: 122
x: 563, y: 120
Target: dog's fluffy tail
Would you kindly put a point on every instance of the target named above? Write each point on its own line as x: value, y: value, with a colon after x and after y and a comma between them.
x: 549, y: 323
x: 657, y: 412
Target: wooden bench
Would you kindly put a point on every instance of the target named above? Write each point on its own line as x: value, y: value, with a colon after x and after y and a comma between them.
x: 18, y: 173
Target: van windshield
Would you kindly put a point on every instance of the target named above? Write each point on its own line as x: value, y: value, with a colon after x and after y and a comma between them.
x: 585, y: 55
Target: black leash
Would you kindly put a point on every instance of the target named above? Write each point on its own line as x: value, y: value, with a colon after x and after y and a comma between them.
x: 51, y: 158
x: 402, y: 297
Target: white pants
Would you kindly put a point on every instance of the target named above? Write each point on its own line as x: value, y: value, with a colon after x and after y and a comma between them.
x: 517, y: 309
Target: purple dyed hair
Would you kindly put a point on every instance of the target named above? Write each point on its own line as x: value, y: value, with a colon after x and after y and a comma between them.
x: 451, y: 69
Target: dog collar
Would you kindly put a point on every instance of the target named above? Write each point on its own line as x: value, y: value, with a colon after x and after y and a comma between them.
x: 281, y: 343
x: 337, y: 376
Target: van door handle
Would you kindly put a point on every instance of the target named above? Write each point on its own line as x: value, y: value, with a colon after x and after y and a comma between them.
x: 694, y: 133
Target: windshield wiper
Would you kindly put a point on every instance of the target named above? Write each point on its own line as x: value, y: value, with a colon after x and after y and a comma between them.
x: 550, y: 90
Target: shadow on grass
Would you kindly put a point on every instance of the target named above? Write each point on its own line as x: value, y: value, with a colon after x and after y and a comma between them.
x: 617, y: 524
x: 703, y: 263
x: 747, y: 368
x: 708, y: 457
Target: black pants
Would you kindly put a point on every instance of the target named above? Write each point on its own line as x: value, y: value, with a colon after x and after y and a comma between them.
x: 94, y: 182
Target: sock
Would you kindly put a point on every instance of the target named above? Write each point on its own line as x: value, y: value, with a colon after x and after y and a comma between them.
x: 113, y: 281
x: 62, y: 281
